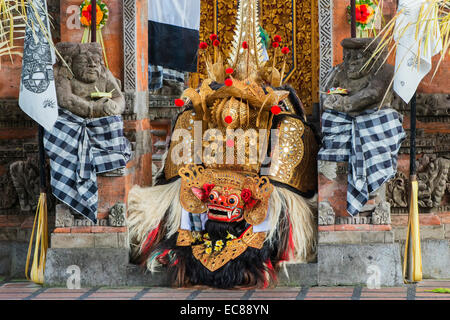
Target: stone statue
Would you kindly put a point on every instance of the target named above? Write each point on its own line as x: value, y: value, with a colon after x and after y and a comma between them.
x: 74, y: 91
x: 433, y: 176
x: 25, y: 178
x: 366, y: 86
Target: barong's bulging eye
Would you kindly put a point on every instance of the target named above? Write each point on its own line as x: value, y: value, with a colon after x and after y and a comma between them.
x: 233, y: 199
x: 213, y: 196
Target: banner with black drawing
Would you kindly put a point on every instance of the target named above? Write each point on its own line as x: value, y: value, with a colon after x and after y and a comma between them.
x: 37, y: 96
x: 173, y: 34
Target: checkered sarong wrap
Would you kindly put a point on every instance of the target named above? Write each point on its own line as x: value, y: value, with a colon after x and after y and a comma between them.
x: 369, y: 143
x: 156, y: 75
x: 79, y: 149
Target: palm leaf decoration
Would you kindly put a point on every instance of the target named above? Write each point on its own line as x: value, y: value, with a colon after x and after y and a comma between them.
x: 13, y: 20
x: 433, y: 13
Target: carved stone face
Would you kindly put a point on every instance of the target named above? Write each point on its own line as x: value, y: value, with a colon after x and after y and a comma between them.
x: 87, y: 67
x: 355, y: 60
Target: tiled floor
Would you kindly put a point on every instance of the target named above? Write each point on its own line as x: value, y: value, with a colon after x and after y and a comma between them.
x: 23, y: 290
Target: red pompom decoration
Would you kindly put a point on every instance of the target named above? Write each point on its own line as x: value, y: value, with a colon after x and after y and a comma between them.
x: 228, y: 119
x: 229, y: 71
x: 275, y: 110
x: 285, y: 50
x: 277, y: 38
x: 203, y: 45
x: 246, y: 195
x: 213, y: 37
x: 179, y: 102
x: 216, y: 43
x: 275, y: 44
x: 245, y: 45
x: 228, y: 82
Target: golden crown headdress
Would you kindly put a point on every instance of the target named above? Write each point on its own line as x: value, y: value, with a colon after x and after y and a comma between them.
x: 245, y: 94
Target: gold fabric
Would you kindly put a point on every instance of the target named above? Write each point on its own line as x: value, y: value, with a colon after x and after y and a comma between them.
x: 295, y: 159
x: 185, y: 121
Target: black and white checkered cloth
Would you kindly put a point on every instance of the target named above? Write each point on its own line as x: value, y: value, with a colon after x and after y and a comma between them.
x: 156, y: 75
x: 79, y: 149
x: 369, y: 143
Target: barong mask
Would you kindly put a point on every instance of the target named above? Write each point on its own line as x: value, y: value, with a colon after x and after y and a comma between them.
x: 213, y: 224
x: 226, y: 196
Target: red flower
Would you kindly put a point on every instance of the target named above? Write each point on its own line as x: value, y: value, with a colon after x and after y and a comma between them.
x: 179, y: 102
x: 246, y: 195
x: 87, y: 13
x: 275, y: 110
x: 203, y: 45
x: 208, y: 188
x: 362, y: 13
x: 228, y: 119
x: 285, y: 50
x: 213, y: 37
x: 275, y: 44
x: 229, y: 71
x: 216, y: 43
x: 363, y: 8
x: 277, y: 38
x: 228, y: 82
x: 245, y: 45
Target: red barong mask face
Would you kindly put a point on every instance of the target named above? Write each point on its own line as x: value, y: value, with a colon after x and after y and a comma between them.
x: 226, y: 196
x: 225, y: 204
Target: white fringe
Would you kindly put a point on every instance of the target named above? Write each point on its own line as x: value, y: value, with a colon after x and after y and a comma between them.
x: 301, y: 216
x: 147, y: 207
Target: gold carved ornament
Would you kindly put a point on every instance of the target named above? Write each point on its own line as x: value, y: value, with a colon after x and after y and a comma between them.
x: 212, y: 259
x: 297, y: 23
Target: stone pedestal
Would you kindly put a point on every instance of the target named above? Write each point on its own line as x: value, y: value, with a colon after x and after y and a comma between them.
x: 359, y: 264
x: 354, y: 250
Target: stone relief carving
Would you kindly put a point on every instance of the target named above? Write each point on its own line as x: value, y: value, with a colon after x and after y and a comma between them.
x: 382, y: 213
x: 117, y: 215
x: 90, y: 75
x: 434, y: 183
x: 326, y: 214
x: 328, y: 169
x: 366, y: 86
x: 427, y: 105
x: 354, y: 220
x: 64, y: 217
x: 25, y: 178
x: 433, y: 178
x: 396, y: 190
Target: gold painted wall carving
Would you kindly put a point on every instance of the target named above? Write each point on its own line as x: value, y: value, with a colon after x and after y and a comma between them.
x: 295, y: 20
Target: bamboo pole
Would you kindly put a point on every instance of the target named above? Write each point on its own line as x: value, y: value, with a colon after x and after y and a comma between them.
x: 353, y: 17
x: 93, y: 20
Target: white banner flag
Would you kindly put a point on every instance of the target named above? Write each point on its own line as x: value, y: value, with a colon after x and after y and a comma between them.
x: 37, y: 96
x: 410, y: 69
